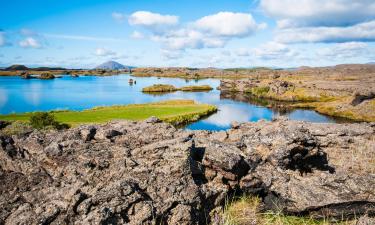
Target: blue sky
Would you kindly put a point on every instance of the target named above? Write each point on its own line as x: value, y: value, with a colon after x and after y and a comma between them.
x: 194, y: 33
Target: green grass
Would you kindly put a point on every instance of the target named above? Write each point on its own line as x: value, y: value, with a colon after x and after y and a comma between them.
x: 173, y: 111
x: 245, y: 210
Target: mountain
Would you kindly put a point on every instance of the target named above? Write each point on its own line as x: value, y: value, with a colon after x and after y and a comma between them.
x: 112, y: 65
x: 371, y: 63
x: 16, y: 67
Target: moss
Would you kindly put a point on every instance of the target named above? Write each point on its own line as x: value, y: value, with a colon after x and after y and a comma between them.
x: 259, y: 91
x: 196, y: 88
x: 160, y: 88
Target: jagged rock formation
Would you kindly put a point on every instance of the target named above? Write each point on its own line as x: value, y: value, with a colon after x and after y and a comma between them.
x: 149, y: 172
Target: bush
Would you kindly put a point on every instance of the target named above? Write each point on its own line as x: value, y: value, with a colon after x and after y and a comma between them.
x: 40, y: 120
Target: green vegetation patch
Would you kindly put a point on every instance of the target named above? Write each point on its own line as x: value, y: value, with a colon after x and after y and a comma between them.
x: 259, y: 91
x: 160, y: 88
x: 246, y: 210
x: 196, y: 88
x: 172, y: 111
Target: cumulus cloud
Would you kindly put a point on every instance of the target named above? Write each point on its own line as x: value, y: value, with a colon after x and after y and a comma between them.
x: 104, y: 52
x: 152, y: 21
x: 228, y: 24
x: 291, y: 13
x: 30, y: 42
x: 344, y: 50
x: 274, y: 51
x: 334, y: 21
x: 137, y: 35
x: 360, y: 32
x: 212, y: 31
x: 119, y: 17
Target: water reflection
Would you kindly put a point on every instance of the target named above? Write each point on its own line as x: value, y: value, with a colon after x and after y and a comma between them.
x: 19, y: 95
x: 3, y: 97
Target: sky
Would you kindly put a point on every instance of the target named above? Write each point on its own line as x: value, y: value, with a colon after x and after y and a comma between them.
x: 191, y: 33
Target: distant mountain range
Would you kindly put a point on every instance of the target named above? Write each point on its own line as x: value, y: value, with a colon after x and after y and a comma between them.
x: 372, y: 63
x: 112, y: 65
x: 22, y: 67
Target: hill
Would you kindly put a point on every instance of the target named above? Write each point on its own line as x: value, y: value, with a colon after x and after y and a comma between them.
x: 16, y: 67
x: 112, y: 65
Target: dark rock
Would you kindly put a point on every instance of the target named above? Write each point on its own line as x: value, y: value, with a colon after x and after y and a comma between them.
x: 3, y: 124
x: 153, y: 119
x: 359, y: 97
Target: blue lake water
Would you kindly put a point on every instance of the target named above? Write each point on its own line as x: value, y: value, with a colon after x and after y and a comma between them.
x: 20, y: 95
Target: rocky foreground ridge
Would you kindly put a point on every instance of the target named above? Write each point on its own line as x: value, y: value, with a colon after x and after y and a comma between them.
x: 151, y: 173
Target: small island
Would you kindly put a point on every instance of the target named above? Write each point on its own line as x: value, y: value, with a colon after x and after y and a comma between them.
x: 159, y: 88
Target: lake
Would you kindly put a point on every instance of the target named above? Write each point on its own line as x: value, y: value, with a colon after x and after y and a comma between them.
x: 20, y: 95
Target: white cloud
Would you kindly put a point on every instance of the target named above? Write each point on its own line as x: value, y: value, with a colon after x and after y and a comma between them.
x: 274, y: 51
x: 242, y: 52
x: 30, y: 42
x: 83, y: 38
x: 2, y: 39
x: 291, y: 13
x: 28, y: 32
x: 119, y: 17
x: 228, y: 24
x: 152, y: 21
x: 212, y: 31
x: 104, y: 52
x: 345, y: 50
x: 137, y: 35
x: 360, y: 32
x: 187, y: 38
x: 168, y: 54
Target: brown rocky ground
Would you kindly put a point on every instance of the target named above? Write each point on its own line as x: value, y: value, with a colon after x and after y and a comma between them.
x: 344, y: 91
x: 152, y: 173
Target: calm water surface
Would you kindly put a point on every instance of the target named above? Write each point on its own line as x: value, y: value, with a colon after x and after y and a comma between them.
x: 20, y: 95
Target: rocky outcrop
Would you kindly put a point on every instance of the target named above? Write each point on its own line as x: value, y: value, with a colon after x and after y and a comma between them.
x: 364, y: 95
x: 280, y: 87
x: 46, y: 76
x: 243, y: 85
x: 149, y: 172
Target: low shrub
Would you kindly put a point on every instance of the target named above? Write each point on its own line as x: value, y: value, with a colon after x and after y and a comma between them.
x: 42, y: 120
